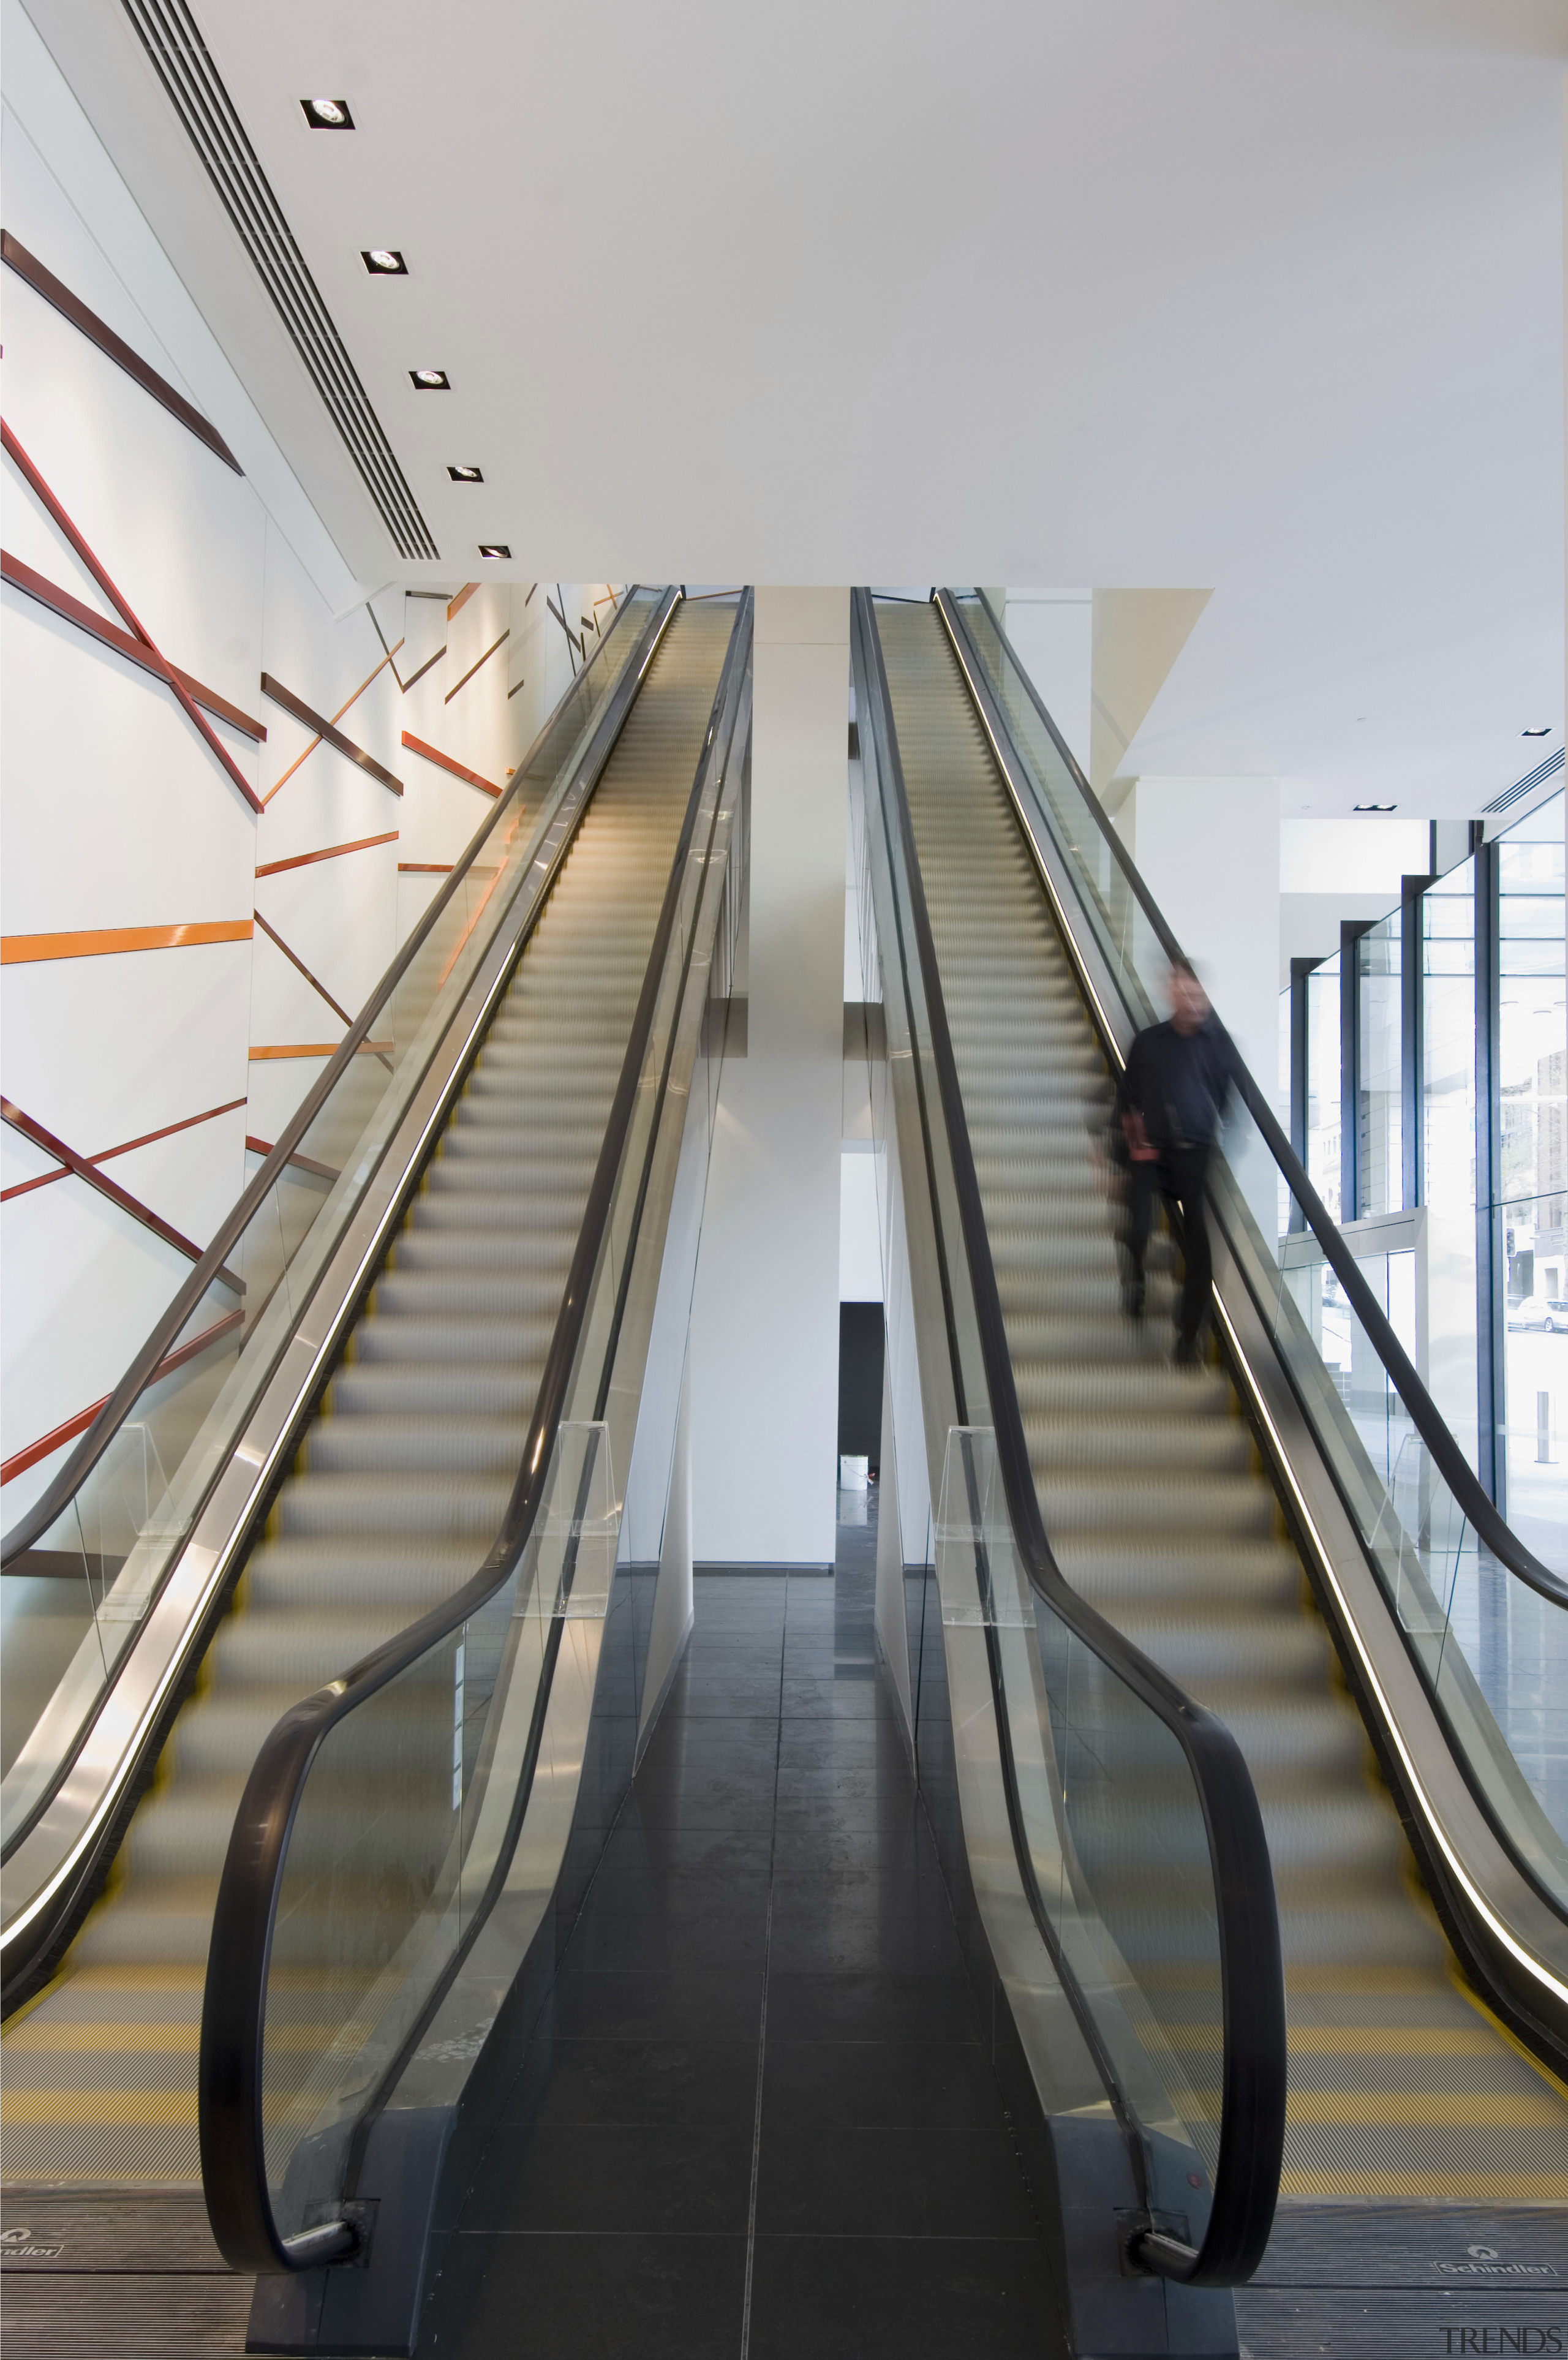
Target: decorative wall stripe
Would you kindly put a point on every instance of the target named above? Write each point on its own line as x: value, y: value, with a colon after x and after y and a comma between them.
x: 429, y: 665
x: 462, y: 600
x: 387, y: 652
x: 473, y: 668
x: 73, y: 611
x: 458, y: 769
x: 20, y: 458
x: 329, y: 852
x: 22, y: 950
x: 324, y: 728
x: 122, y: 1197
x: 572, y: 639
x: 98, y: 332
x: 21, y: 1460
x: 306, y: 1163
x: 259, y: 1050
x: 107, y: 1154
x: 425, y: 868
x: 295, y: 960
x: 338, y: 715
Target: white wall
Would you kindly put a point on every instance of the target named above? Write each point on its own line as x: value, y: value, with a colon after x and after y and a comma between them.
x: 765, y: 1318
x: 1052, y: 632
x: 1209, y: 850
x: 116, y: 814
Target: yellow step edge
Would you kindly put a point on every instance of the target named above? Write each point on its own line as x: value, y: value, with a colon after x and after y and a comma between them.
x: 1470, y: 2187
x: 1464, y: 2109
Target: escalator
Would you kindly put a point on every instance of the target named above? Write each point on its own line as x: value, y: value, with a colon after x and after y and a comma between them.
x: 437, y: 1214
x: 1282, y: 1560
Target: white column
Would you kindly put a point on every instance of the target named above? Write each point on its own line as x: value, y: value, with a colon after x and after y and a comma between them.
x: 1052, y: 632
x: 1209, y: 852
x: 765, y: 1317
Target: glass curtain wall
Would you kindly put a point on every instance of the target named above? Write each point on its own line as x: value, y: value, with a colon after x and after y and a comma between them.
x: 1520, y: 1227
x: 1533, y: 1184
x: 1380, y: 1069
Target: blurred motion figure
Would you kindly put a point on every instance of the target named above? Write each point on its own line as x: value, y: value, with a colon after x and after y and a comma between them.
x: 1173, y: 1100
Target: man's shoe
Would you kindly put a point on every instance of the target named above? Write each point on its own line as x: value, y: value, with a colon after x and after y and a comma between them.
x: 1187, y: 1354
x: 1132, y: 1298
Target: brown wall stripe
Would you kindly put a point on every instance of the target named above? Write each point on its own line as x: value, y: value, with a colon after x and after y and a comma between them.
x: 330, y: 852
x: 110, y: 1188
x: 473, y: 668
x: 462, y: 600
x: 98, y: 332
x: 20, y: 950
x: 21, y: 1460
x: 445, y: 763
x: 107, y: 1154
x: 71, y: 610
x: 324, y: 728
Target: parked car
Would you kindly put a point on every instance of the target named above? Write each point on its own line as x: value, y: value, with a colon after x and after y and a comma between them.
x: 1548, y: 1311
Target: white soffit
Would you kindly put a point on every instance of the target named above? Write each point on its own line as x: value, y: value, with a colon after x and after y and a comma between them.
x: 1260, y: 294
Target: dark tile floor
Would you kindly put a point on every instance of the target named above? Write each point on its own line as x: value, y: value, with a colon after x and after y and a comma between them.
x: 769, y: 2124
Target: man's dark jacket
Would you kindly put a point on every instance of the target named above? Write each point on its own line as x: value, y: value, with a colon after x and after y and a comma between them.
x: 1179, y: 1081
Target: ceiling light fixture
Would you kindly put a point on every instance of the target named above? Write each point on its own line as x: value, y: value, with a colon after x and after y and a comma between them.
x: 1380, y: 807
x: 327, y: 113
x: 493, y: 549
x: 383, y: 262
x: 430, y: 381
x: 1535, y: 733
x: 466, y: 475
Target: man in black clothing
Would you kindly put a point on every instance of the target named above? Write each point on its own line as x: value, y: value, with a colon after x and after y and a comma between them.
x: 1173, y: 1094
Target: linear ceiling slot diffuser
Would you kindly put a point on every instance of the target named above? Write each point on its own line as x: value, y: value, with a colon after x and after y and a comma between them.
x: 169, y: 33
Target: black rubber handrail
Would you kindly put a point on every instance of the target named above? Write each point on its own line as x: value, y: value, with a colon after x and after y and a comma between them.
x: 1494, y: 1532
x: 52, y: 1502
x: 1253, y: 2069
x: 234, y: 2012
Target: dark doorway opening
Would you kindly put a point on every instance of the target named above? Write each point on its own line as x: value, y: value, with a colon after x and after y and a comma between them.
x: 860, y: 1381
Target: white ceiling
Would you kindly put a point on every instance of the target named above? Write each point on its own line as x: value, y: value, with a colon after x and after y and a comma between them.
x: 1264, y: 296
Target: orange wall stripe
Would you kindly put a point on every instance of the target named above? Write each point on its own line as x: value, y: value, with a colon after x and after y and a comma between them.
x: 445, y: 763
x: 462, y: 600
x: 259, y: 1050
x: 425, y: 868
x: 331, y: 852
x: 20, y: 950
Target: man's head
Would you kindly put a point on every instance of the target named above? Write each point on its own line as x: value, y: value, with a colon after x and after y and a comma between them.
x: 1189, y: 1000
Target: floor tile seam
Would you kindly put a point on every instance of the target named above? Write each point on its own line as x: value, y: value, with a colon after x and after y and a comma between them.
x: 762, y: 2032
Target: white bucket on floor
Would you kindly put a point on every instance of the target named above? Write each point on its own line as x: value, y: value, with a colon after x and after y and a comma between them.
x: 851, y: 1473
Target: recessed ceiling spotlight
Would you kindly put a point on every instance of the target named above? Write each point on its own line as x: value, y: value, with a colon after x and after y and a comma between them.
x: 327, y: 113
x: 1384, y: 807
x: 430, y: 381
x: 383, y: 262
x: 1535, y: 733
x: 466, y: 475
x: 493, y: 549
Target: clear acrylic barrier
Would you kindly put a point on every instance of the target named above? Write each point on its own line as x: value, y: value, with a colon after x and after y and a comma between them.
x: 1118, y: 1845
x: 401, y: 1823
x: 195, y: 1407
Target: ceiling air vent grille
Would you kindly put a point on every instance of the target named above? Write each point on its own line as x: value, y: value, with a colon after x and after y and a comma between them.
x: 169, y: 33
x: 1538, y: 777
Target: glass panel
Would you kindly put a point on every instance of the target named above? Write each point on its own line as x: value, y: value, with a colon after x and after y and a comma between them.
x: 1448, y: 1150
x: 127, y: 1520
x: 1378, y: 1080
x: 1532, y: 1020
x: 1480, y: 1636
x: 1117, y: 1838
x: 1323, y: 1157
x: 399, y: 1827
